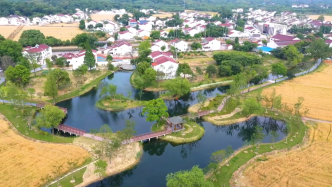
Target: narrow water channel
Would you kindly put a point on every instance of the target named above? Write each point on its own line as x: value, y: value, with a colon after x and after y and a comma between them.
x: 160, y: 157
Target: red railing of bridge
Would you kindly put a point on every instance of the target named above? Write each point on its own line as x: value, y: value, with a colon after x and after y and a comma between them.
x: 151, y: 135
x: 71, y: 130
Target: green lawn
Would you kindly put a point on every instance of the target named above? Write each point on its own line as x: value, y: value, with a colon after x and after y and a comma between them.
x: 192, y: 132
x: 83, y: 89
x: 21, y: 125
x: 119, y: 103
x: 214, y: 103
x: 65, y: 182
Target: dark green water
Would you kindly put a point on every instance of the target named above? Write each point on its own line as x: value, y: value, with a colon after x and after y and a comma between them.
x: 160, y: 157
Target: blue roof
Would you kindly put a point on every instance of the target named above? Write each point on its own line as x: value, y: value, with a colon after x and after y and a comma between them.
x: 265, y: 49
x: 142, y: 21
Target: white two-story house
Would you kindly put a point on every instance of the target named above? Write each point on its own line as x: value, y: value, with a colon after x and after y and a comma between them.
x: 39, y: 53
x: 180, y: 45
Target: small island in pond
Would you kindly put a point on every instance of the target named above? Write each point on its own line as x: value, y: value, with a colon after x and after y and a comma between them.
x: 184, y: 130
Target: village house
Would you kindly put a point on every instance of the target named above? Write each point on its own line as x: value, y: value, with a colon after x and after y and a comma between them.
x: 161, y: 43
x: 163, y: 34
x: 76, y: 60
x: 39, y: 53
x: 226, y: 47
x: 4, y: 21
x: 280, y: 40
x: 143, y: 33
x: 157, y: 54
x: 211, y: 44
x: 132, y: 23
x: 180, y: 45
x: 119, y: 48
x: 125, y: 35
x: 166, y: 65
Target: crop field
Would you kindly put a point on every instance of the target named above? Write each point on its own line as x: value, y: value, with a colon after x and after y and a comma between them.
x: 5, y: 31
x: 99, y: 17
x: 308, y: 166
x: 65, y: 32
x: 315, y: 88
x: 27, y: 163
x: 327, y: 18
x: 163, y: 14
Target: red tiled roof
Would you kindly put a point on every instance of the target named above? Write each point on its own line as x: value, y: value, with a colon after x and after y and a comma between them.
x: 158, y: 53
x: 283, y: 37
x: 162, y: 60
x: 328, y: 41
x: 36, y: 49
x: 285, y: 43
x: 209, y: 39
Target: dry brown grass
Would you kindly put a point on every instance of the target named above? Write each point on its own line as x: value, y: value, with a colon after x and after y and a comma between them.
x: 99, y: 17
x: 38, y: 83
x: 26, y: 163
x: 163, y: 14
x: 309, y: 166
x: 64, y: 33
x: 5, y: 31
x: 327, y: 18
x: 315, y: 88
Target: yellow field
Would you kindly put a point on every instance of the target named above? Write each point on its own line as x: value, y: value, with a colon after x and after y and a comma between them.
x: 202, y: 12
x: 163, y: 14
x: 26, y: 163
x: 310, y: 166
x: 327, y: 18
x: 99, y: 17
x: 64, y: 33
x: 315, y: 88
x: 5, y: 31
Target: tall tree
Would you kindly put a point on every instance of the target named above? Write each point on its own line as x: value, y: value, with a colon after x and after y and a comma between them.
x: 178, y: 86
x: 61, y: 77
x: 82, y: 25
x: 129, y: 131
x: 279, y: 69
x: 31, y: 38
x: 251, y: 106
x: 89, y: 58
x: 12, y: 49
x: 156, y: 110
x: 318, y: 49
x: 50, y: 117
x: 150, y: 76
x: 258, y: 136
x: 19, y: 75
x: 194, y: 177
x: 211, y: 70
x: 51, y: 88
x: 141, y: 67
x: 293, y: 56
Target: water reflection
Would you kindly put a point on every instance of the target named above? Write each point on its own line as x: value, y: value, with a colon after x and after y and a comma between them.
x: 161, y: 158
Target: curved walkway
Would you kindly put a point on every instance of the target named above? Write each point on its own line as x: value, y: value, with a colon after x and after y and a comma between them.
x: 316, y: 120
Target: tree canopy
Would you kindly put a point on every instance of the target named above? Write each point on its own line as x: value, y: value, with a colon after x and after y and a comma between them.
x: 19, y: 75
x: 61, y: 77
x: 81, y: 39
x: 89, y: 58
x: 31, y: 37
x: 318, y: 49
x: 178, y: 86
x: 12, y: 49
x: 50, y: 88
x: 193, y: 177
x: 50, y: 117
x: 155, y: 109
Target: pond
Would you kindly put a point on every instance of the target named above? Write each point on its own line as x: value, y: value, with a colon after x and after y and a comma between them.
x: 160, y: 157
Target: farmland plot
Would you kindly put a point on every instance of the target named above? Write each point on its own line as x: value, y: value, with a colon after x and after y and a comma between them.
x: 27, y: 163
x: 315, y: 88
x: 309, y: 166
x: 5, y: 31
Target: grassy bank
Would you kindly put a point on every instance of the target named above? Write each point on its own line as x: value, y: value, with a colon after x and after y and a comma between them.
x: 65, y: 182
x: 191, y: 133
x: 297, y: 132
x: 83, y: 89
x: 119, y: 103
x: 21, y: 125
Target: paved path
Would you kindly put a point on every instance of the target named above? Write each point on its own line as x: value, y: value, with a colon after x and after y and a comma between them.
x: 316, y: 120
